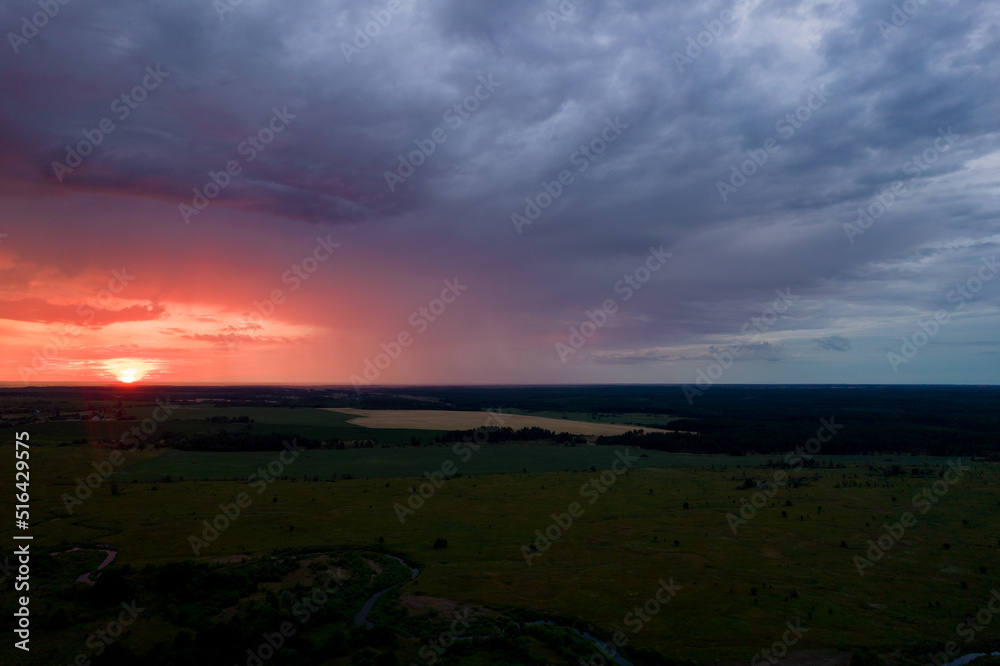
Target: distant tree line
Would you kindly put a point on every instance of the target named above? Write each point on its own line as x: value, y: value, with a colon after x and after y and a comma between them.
x: 220, y: 440
x: 738, y: 437
x: 229, y: 419
x: 505, y: 434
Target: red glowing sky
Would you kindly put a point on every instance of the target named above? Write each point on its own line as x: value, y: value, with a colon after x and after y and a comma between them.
x: 543, y: 163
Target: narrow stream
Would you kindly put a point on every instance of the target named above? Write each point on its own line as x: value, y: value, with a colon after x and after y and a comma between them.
x: 362, y: 616
x: 85, y: 577
x: 969, y: 658
x: 616, y: 656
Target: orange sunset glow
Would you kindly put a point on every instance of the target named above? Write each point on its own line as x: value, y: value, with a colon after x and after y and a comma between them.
x: 170, y: 313
x: 216, y: 207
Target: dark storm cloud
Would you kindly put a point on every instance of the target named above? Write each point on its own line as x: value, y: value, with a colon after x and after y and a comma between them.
x: 754, y: 351
x: 846, y: 110
x: 82, y: 314
x: 834, y: 343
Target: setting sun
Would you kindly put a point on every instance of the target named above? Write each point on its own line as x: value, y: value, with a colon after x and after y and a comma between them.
x: 129, y: 370
x: 128, y: 375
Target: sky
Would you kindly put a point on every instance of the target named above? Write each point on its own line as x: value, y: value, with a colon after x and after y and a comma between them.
x: 485, y: 192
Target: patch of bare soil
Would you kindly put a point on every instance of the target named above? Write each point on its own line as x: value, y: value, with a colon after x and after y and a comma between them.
x: 447, y: 609
x: 429, y: 419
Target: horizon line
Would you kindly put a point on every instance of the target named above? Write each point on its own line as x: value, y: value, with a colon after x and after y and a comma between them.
x: 350, y: 387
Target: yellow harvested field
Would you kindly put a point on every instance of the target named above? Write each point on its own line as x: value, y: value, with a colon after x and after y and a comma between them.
x: 420, y: 419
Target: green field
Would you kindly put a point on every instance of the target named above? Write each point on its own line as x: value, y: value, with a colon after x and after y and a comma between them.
x: 666, y: 518
x: 608, y: 561
x: 408, y: 462
x: 316, y: 424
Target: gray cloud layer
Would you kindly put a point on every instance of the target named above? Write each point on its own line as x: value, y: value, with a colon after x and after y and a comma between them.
x: 915, y: 104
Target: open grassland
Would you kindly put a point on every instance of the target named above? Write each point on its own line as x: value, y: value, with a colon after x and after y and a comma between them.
x: 399, y: 462
x: 318, y: 424
x: 738, y: 589
x: 384, y: 463
x: 429, y: 419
